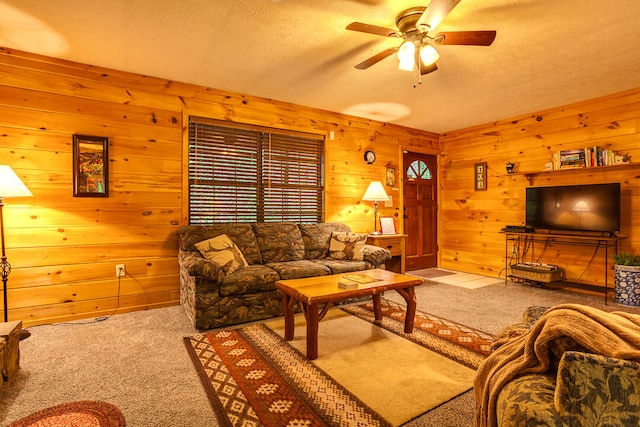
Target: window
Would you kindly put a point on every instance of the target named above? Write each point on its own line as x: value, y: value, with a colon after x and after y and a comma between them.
x: 418, y: 169
x: 242, y: 173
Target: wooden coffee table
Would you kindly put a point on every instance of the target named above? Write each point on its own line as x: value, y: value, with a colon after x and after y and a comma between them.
x: 312, y: 291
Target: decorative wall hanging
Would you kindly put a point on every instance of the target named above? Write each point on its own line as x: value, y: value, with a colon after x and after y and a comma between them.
x: 480, y: 176
x: 90, y: 166
x: 391, y: 177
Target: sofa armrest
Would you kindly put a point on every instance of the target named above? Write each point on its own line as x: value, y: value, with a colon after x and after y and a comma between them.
x: 593, y: 387
x: 196, y: 265
x: 376, y: 255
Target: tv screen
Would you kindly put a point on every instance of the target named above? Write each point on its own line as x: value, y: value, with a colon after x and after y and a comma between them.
x: 592, y: 207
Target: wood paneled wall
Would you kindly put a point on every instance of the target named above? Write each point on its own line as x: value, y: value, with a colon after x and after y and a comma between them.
x: 63, y: 250
x: 470, y: 221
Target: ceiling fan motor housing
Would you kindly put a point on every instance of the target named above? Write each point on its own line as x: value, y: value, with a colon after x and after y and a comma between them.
x: 407, y: 19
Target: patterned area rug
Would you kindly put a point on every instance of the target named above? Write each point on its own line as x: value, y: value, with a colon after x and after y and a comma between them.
x: 86, y: 414
x: 253, y: 377
x: 465, y: 345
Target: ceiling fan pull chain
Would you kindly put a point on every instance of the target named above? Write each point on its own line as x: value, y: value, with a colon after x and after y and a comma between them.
x: 417, y: 72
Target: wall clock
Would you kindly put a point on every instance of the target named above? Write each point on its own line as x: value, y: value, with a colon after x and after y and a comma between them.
x: 369, y: 157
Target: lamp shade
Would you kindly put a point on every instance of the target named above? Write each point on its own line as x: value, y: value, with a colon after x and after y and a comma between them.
x: 11, y: 185
x: 375, y: 192
x: 428, y: 55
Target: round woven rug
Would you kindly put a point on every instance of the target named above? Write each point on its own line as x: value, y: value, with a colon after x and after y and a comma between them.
x: 86, y: 414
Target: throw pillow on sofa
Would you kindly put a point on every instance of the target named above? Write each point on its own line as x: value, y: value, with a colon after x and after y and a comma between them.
x: 222, y: 251
x: 347, y: 246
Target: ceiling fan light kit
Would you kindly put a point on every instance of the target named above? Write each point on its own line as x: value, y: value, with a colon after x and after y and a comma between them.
x: 417, y: 53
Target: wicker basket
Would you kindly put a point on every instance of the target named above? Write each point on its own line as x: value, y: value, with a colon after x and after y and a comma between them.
x: 536, y: 274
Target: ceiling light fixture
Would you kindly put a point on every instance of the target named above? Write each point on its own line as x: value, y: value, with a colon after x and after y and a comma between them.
x: 416, y: 56
x: 429, y: 55
x: 406, y: 55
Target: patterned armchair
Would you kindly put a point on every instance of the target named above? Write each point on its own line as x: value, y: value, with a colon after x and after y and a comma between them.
x: 579, y: 388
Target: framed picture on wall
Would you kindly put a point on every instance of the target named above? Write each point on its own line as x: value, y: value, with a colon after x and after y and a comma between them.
x: 387, y: 225
x: 391, y: 177
x: 480, y: 176
x: 90, y: 166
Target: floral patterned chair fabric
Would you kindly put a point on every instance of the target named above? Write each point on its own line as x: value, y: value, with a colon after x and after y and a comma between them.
x: 274, y: 251
x: 580, y: 388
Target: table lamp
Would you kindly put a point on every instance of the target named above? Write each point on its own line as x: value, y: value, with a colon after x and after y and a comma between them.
x: 10, y: 186
x: 375, y: 193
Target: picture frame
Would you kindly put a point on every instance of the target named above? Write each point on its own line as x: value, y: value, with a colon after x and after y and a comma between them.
x: 391, y: 176
x: 387, y: 225
x: 480, y: 176
x: 90, y: 166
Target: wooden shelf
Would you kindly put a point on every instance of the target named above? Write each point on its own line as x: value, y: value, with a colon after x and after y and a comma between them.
x: 532, y: 174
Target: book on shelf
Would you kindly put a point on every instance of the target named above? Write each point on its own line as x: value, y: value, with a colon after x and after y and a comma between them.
x: 587, y: 157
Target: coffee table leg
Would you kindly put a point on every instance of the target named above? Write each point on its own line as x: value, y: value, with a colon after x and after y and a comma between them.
x: 313, y: 319
x: 409, y: 295
x: 289, y: 325
x: 377, y: 310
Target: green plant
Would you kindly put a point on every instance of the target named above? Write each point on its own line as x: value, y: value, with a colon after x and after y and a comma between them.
x: 625, y: 258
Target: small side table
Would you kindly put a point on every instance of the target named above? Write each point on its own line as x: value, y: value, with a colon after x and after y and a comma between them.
x: 395, y: 243
x: 10, y: 332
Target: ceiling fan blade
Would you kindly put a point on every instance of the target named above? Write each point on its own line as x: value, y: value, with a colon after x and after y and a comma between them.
x: 435, y: 13
x: 428, y: 69
x: 372, y: 29
x: 474, y: 38
x: 376, y: 58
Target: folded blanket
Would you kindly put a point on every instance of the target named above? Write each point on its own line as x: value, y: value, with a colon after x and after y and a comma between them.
x: 614, y: 334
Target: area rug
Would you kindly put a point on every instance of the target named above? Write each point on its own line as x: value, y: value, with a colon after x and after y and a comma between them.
x: 462, y: 280
x: 365, y: 374
x: 430, y: 273
x: 87, y: 413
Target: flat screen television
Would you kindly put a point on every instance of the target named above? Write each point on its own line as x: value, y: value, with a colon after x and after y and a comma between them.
x: 590, y: 207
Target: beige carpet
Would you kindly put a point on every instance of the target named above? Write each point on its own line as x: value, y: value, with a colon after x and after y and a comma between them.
x: 395, y: 377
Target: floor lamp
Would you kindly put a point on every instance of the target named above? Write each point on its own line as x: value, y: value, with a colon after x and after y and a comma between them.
x: 10, y: 186
x: 375, y: 193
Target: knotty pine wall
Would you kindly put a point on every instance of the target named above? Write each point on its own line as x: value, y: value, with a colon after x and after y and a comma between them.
x: 64, y: 249
x: 470, y: 220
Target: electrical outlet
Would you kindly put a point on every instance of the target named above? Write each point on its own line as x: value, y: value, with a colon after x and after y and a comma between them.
x: 120, y: 270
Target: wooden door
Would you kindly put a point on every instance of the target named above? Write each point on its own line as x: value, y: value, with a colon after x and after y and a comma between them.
x: 420, y: 210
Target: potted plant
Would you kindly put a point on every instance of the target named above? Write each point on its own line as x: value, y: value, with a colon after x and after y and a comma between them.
x: 627, y: 278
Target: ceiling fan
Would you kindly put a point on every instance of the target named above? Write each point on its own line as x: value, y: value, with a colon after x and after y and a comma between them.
x: 415, y: 24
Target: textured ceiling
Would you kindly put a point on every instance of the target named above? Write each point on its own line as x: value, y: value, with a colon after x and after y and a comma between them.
x: 547, y: 52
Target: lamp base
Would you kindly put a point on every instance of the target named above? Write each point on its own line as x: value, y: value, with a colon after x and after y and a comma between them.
x: 375, y: 233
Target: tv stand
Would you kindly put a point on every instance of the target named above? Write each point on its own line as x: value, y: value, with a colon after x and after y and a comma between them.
x: 522, y: 247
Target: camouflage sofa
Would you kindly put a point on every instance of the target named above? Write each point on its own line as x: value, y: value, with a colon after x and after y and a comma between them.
x: 272, y: 251
x: 579, y: 388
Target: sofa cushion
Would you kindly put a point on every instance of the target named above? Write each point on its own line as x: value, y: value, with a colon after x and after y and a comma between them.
x: 592, y: 387
x: 241, y: 234
x: 316, y: 238
x: 339, y: 266
x: 347, y: 246
x: 298, y: 269
x: 279, y: 241
x: 249, y: 280
x: 223, y: 252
